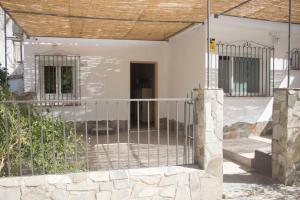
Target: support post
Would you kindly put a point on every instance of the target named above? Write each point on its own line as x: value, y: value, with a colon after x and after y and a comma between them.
x: 209, y: 130
x: 289, y: 44
x: 208, y: 43
x: 286, y: 135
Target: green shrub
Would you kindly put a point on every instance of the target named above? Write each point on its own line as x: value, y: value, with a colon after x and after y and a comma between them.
x: 22, y: 126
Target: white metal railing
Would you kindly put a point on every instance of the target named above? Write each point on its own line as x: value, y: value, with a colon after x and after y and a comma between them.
x: 58, y: 136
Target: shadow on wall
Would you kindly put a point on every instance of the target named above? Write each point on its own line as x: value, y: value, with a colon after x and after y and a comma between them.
x: 95, y: 75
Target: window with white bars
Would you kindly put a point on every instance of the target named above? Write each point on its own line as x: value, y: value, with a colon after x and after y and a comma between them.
x: 245, y: 70
x: 58, y: 77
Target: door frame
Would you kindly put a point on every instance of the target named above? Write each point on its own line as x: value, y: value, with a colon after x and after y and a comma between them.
x: 155, y: 87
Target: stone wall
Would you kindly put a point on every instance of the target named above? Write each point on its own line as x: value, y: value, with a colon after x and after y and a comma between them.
x: 178, y: 183
x: 209, y: 130
x: 286, y: 135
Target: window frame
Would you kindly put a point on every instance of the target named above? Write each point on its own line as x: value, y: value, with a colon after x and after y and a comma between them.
x: 58, y: 62
x: 247, y: 50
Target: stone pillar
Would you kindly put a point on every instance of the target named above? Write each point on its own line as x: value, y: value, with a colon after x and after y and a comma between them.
x: 209, y: 130
x: 286, y: 135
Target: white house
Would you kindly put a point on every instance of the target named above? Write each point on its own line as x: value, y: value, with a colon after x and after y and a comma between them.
x: 73, y: 68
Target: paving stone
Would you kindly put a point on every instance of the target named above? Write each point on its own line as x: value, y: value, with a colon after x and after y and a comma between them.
x: 83, y: 186
x: 10, y: 182
x: 106, y: 186
x: 32, y: 181
x: 99, y: 176
x: 175, y: 179
x: 59, y: 194
x: 61, y: 179
x: 105, y: 195
x: 35, y: 194
x: 142, y: 190
x: 168, y: 191
x: 83, y: 196
x: 10, y: 193
x: 78, y: 177
x: 120, y: 194
x: 183, y: 193
x: 121, y: 184
x: 118, y: 174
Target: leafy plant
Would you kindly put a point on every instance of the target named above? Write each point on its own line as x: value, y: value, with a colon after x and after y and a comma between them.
x: 31, y: 139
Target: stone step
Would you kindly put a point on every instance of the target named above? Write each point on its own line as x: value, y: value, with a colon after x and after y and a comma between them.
x: 263, y: 162
x: 243, y: 150
x: 246, y: 160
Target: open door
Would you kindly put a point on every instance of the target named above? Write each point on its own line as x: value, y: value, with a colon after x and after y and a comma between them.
x: 142, y: 86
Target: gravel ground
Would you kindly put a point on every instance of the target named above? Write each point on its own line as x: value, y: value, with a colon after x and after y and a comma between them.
x: 242, y: 184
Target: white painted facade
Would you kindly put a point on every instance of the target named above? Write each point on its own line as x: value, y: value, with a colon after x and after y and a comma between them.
x: 13, y: 68
x: 105, y: 64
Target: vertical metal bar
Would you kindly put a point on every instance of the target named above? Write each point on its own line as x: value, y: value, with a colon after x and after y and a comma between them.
x: 177, y: 128
x: 19, y: 141
x: 5, y: 44
x: 35, y: 75
x: 168, y: 130
x: 30, y: 135
x: 266, y: 86
x: 193, y: 131
x: 262, y: 69
x: 97, y: 134
x: 118, y: 132
x: 64, y: 132
x: 128, y: 134
x: 107, y: 135
x: 138, y: 131
x: 239, y: 71
x: 40, y: 78
x: 148, y: 120
x: 53, y: 139
x: 75, y: 134
x: 43, y: 150
x: 243, y: 71
x: 208, y: 43
x: 269, y: 68
x: 7, y: 139
x: 273, y: 71
x: 188, y: 132
x: 185, y: 135
x: 86, y: 139
x: 222, y: 68
x: 289, y: 43
x: 79, y: 74
x: 158, y: 133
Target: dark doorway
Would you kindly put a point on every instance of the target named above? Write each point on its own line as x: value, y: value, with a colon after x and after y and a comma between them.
x: 142, y: 86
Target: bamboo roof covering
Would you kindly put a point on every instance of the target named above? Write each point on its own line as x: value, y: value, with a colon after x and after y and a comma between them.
x: 133, y: 19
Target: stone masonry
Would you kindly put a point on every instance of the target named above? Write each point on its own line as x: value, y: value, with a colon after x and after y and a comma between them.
x: 173, y: 182
x: 209, y: 133
x: 177, y: 183
x: 286, y: 135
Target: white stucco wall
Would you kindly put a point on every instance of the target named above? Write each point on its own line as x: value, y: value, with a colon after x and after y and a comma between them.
x: 181, y: 62
x: 230, y: 29
x: 105, y: 64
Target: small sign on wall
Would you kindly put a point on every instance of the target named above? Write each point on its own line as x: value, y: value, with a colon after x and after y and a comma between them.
x: 212, y: 45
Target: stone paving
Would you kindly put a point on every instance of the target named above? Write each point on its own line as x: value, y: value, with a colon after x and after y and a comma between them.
x: 241, y: 183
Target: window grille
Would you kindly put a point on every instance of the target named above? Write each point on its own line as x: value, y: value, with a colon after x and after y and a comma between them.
x: 57, y: 77
x: 245, y: 70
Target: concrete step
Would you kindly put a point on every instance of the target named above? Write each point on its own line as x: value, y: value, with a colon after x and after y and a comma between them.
x: 246, y: 160
x: 253, y: 153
